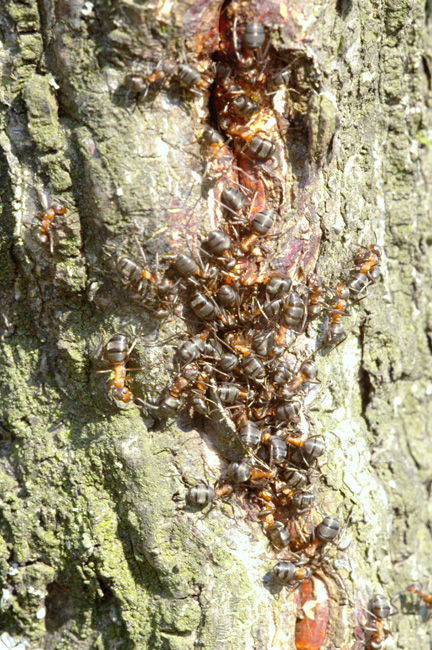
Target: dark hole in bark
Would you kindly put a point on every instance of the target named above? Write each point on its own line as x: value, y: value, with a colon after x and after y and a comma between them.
x: 59, y: 606
x: 343, y: 7
x: 365, y: 389
x: 427, y: 71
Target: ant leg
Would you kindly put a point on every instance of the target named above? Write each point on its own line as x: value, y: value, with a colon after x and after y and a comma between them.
x: 337, y: 344
x: 264, y: 53
x: 366, y: 294
x: 301, y: 534
x: 51, y: 241
x: 236, y: 41
x: 130, y: 351
x: 233, y: 511
x: 102, y: 372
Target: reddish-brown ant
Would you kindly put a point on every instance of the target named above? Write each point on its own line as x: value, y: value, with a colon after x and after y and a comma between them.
x: 306, y: 375
x: 45, y: 234
x: 139, y: 83
x: 134, y: 274
x: 325, y: 532
x: 267, y: 507
x: 314, y: 302
x: 335, y: 332
x: 252, y: 42
x: 380, y: 609
x: 189, y: 77
x: 189, y: 375
x: 418, y: 589
x: 117, y: 352
x: 159, y: 292
x: 367, y: 269
x: 260, y: 226
x: 203, y: 494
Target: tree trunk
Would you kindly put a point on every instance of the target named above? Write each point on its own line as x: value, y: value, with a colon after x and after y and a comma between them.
x: 98, y: 548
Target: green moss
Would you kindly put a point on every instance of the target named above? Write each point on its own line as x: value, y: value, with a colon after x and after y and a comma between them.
x: 24, y: 14
x: 42, y: 113
x: 424, y: 138
x: 31, y: 47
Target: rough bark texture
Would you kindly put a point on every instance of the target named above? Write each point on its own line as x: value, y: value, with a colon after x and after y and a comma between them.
x: 95, y: 551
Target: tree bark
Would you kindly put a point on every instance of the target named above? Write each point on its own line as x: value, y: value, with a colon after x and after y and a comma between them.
x: 98, y: 549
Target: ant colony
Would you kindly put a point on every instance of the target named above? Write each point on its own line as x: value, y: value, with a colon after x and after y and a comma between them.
x: 256, y: 310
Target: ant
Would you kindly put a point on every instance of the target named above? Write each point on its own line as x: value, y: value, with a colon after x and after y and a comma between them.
x: 335, y: 332
x: 315, y: 290
x: 324, y: 533
x: 191, y: 78
x: 260, y: 226
x: 134, y: 274
x: 254, y: 471
x: 219, y: 162
x: 380, y: 609
x: 265, y: 497
x: 367, y: 269
x: 294, y: 312
x: 45, y: 234
x: 285, y: 495
x: 417, y: 589
x: 306, y: 375
x: 203, y: 494
x: 252, y: 145
x: 117, y: 352
x: 251, y: 51
x: 147, y: 284
x: 188, y: 376
x: 139, y: 83
x: 290, y: 574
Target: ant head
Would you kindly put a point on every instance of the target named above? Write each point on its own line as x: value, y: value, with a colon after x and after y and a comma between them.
x: 342, y: 291
x: 122, y: 394
x: 58, y: 207
x: 314, y: 280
